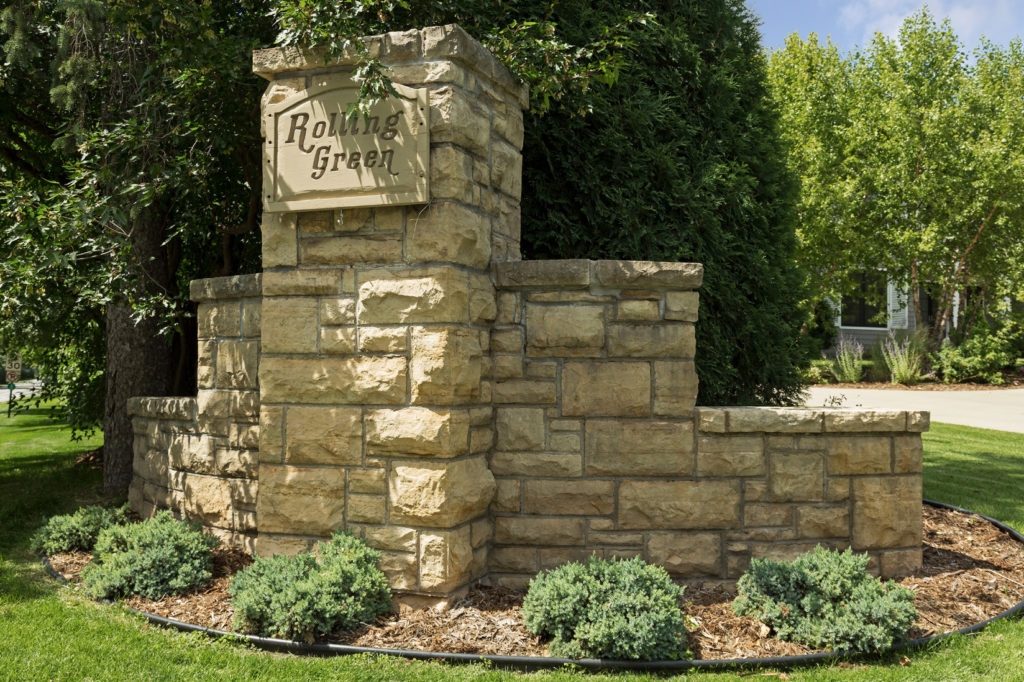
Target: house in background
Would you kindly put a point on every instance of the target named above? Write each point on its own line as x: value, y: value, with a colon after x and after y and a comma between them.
x: 860, y: 319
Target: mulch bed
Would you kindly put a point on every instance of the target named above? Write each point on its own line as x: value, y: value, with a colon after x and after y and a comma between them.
x: 972, y: 571
x: 1015, y: 382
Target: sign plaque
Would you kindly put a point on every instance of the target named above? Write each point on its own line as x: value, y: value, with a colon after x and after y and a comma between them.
x: 317, y: 157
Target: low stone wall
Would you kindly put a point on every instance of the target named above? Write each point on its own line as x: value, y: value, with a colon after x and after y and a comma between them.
x: 198, y: 456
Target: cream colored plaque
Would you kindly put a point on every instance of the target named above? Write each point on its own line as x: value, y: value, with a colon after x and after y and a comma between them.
x: 316, y: 157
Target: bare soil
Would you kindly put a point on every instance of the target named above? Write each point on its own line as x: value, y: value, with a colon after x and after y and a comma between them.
x: 972, y: 571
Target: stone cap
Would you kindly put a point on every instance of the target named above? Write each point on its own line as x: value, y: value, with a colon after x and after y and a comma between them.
x: 397, y: 47
x: 804, y: 420
x: 223, y: 288
x: 163, y: 408
x: 609, y: 274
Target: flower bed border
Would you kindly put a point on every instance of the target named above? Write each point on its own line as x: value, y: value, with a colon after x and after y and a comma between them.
x: 542, y: 662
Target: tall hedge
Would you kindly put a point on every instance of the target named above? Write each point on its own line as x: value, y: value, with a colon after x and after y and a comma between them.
x: 680, y: 160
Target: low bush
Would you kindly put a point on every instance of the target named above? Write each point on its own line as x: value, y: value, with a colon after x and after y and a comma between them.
x: 904, y: 357
x: 979, y: 357
x: 848, y: 364
x: 77, y: 531
x: 826, y: 599
x: 608, y: 609
x: 336, y: 586
x: 154, y: 558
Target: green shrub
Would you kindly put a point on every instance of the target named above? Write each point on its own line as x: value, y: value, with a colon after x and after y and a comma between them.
x: 77, y: 531
x: 154, y: 558
x: 849, y: 361
x: 336, y: 586
x: 608, y: 609
x: 980, y: 357
x: 826, y: 599
x: 904, y: 357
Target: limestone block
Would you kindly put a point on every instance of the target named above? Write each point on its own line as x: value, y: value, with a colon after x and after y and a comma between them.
x: 206, y: 363
x: 445, y: 559
x: 918, y: 421
x: 681, y: 305
x: 859, y: 455
x: 236, y: 462
x: 639, y: 448
x: 783, y: 552
x: 907, y: 454
x: 300, y: 500
x: 754, y: 491
x: 377, y: 248
x: 615, y: 538
x: 244, y: 492
x: 508, y: 366
x: 223, y: 318
x: 686, y: 554
x: 506, y: 499
x: 303, y: 283
x: 339, y: 381
x: 271, y: 434
x: 393, y: 538
x: 272, y: 545
x: 569, y: 497
x: 213, y: 410
x: 508, y: 308
x: 245, y: 406
x: 237, y: 362
x: 774, y: 420
x: 671, y: 505
x: 334, y: 311
x: 542, y: 369
x: 637, y: 311
x: 400, y: 568
x: 513, y: 560
x: 823, y: 522
x: 315, y: 222
x: 291, y: 325
x: 625, y: 274
x: 536, y: 464
x: 606, y: 389
x: 675, y: 388
x: 730, y: 456
x: 324, y: 435
x: 519, y: 428
x: 797, y: 477
x: 208, y: 500
x: 370, y: 481
x: 711, y: 419
x: 564, y: 330
x: 651, y: 340
x: 252, y: 317
x: 337, y: 340
x: 417, y: 431
x: 899, y: 563
x: 565, y: 442
x: 855, y: 420
x: 560, y: 274
x: 507, y: 340
x: 366, y: 509
x: 189, y: 453
x: 837, y: 489
x: 446, y: 231
x: 524, y: 391
x: 886, y: 512
x: 439, y: 494
x: 455, y: 117
x: 506, y: 168
x: 759, y: 515
x: 553, y: 558
x: 383, y: 339
x: 483, y: 305
x: 411, y: 295
x: 280, y: 240
x: 482, y: 532
x: 527, y: 530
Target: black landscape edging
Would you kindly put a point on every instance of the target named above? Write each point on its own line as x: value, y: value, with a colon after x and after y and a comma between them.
x: 540, y: 662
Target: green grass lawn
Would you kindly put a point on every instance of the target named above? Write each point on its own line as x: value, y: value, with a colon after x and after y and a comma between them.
x: 48, y: 632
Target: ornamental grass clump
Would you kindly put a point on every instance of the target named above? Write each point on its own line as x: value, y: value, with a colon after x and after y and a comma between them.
x: 626, y: 610
x: 308, y: 596
x: 903, y: 358
x: 155, y: 558
x: 848, y: 364
x: 77, y: 531
x: 826, y: 599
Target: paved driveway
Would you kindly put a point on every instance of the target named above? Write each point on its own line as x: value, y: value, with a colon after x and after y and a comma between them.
x: 1002, y: 410
x: 23, y: 388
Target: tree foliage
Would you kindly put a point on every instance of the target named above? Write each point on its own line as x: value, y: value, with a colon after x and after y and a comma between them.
x: 910, y: 157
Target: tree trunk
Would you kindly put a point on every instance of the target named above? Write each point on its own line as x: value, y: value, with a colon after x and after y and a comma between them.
x: 139, y: 362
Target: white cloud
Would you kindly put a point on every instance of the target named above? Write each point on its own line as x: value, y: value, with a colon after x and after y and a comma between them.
x: 998, y: 20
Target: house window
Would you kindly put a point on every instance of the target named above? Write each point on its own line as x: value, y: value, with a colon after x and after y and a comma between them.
x: 862, y: 309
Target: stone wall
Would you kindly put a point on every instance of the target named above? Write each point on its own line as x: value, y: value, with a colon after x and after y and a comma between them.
x: 198, y: 456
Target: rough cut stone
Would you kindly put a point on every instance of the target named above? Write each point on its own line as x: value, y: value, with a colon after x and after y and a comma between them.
x: 681, y: 305
x: 291, y: 325
x: 417, y: 431
x: 698, y: 505
x: 446, y: 365
x: 797, y: 477
x: 686, y: 554
x: 300, y: 500
x: 625, y: 274
x: 377, y: 248
x: 855, y: 420
x: 859, y: 455
x: 324, y: 435
x: 223, y: 318
x: 237, y: 362
x: 526, y: 530
x: 675, y: 388
x: 639, y: 448
x: 606, y: 389
x: 730, y: 456
x: 437, y: 294
x: 340, y: 381
x: 536, y: 464
x: 445, y: 560
x: 569, y: 497
x: 382, y: 339
x: 774, y: 420
x: 886, y: 512
x: 651, y: 341
x: 447, y: 231
x: 568, y: 330
x: 440, y: 494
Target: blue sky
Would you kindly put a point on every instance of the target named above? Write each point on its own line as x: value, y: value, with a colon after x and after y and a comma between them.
x: 853, y: 22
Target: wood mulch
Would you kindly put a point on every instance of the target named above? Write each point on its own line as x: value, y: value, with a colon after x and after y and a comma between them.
x: 1014, y: 382
x: 972, y: 571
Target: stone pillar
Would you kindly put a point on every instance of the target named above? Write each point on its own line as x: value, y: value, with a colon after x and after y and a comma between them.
x: 375, y: 394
